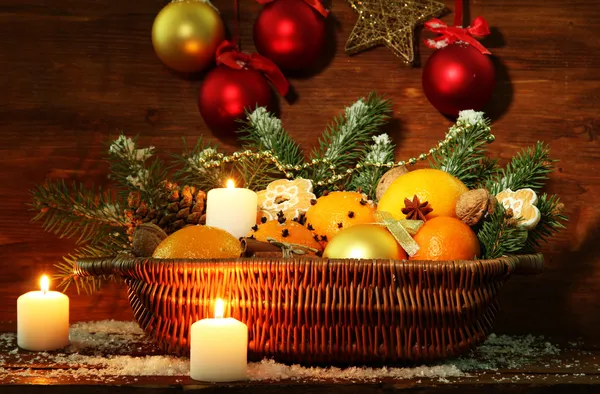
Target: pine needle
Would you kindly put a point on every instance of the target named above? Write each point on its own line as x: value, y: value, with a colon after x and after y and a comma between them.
x: 263, y: 131
x: 129, y: 169
x: 465, y: 155
x: 500, y: 235
x: 343, y: 143
x: 76, y: 212
x: 528, y: 169
x: 551, y: 217
x: 201, y: 166
x: 381, y: 151
x: 66, y: 274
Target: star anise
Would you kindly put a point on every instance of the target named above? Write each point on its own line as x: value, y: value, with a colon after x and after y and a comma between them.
x: 415, y: 209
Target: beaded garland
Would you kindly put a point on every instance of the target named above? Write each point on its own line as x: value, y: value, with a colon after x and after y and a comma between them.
x: 213, y: 160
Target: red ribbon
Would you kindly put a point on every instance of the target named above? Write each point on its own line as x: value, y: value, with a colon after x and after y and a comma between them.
x: 451, y: 34
x: 229, y: 55
x: 316, y: 4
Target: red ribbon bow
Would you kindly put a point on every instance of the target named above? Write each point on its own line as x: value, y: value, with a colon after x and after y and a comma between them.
x: 450, y: 34
x: 316, y: 4
x: 229, y: 55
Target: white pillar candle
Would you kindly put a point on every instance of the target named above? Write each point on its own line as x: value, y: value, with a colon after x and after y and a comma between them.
x: 232, y: 209
x: 43, y: 319
x: 218, y: 348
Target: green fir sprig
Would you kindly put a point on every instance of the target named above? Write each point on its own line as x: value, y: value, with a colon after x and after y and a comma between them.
x: 550, y: 222
x: 85, y: 214
x: 501, y: 235
x: 381, y: 151
x: 527, y: 169
x: 465, y: 155
x: 343, y: 143
x: 263, y: 131
x: 129, y: 168
x: 66, y: 273
x: 193, y: 166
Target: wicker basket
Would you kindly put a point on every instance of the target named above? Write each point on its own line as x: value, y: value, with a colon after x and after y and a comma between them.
x: 314, y: 311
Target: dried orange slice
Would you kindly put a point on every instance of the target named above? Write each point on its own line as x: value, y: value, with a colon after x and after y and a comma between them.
x: 522, y: 202
x: 290, y: 197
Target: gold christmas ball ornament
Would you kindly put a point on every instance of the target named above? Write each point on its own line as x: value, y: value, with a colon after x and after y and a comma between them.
x: 364, y: 241
x: 186, y: 34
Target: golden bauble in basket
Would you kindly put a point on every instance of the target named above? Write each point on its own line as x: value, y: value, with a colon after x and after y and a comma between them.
x: 186, y: 34
x: 364, y: 241
x: 199, y: 242
x: 440, y: 189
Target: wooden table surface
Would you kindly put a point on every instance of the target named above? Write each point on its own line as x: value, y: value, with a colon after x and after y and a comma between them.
x: 503, y: 365
x: 73, y: 73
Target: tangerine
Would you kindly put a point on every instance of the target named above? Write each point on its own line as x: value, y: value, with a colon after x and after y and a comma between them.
x: 440, y: 189
x: 198, y: 242
x: 446, y: 238
x: 338, y: 210
x: 288, y: 231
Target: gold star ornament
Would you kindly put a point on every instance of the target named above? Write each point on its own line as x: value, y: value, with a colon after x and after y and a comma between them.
x: 390, y: 23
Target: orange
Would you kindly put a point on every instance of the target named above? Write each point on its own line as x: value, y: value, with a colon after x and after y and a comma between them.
x: 289, y: 231
x: 440, y: 189
x: 446, y: 238
x: 198, y: 242
x: 338, y: 210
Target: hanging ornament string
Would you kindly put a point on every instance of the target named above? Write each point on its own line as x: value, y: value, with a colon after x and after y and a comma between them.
x: 236, y: 23
x: 450, y: 34
x: 229, y: 55
x: 316, y: 4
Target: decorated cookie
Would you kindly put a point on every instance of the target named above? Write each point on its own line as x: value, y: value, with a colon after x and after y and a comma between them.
x: 290, y: 197
x: 522, y: 202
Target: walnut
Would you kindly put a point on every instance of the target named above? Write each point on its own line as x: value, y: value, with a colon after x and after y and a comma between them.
x: 146, y: 238
x: 473, y: 205
x: 387, y: 179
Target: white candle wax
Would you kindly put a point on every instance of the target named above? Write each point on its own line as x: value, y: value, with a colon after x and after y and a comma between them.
x: 218, y: 349
x: 43, y: 319
x: 232, y: 209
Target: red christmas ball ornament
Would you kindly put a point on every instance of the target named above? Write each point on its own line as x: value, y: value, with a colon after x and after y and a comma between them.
x: 458, y: 77
x: 291, y: 33
x: 225, y: 95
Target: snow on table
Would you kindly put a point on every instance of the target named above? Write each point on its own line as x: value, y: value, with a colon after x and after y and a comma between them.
x: 104, y: 350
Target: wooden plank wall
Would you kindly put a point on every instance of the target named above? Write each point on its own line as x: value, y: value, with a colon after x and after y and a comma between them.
x: 75, y: 72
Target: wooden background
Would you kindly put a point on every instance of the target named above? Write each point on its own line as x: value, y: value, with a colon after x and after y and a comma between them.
x: 74, y: 72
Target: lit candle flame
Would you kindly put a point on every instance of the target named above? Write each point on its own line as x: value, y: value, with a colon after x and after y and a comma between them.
x: 230, y: 184
x: 45, y: 283
x: 219, y: 308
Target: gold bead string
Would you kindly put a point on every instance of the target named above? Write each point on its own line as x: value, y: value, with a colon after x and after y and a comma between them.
x: 289, y: 170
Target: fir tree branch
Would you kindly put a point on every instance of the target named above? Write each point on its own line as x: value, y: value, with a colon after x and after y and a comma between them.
x: 550, y: 223
x: 129, y: 169
x: 342, y: 144
x: 528, y: 169
x: 201, y: 166
x: 381, y: 151
x: 262, y: 131
x: 76, y: 211
x: 65, y: 270
x: 500, y: 235
x: 465, y: 155
x: 256, y: 173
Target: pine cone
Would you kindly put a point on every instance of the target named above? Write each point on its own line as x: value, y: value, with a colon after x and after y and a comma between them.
x: 185, y: 206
